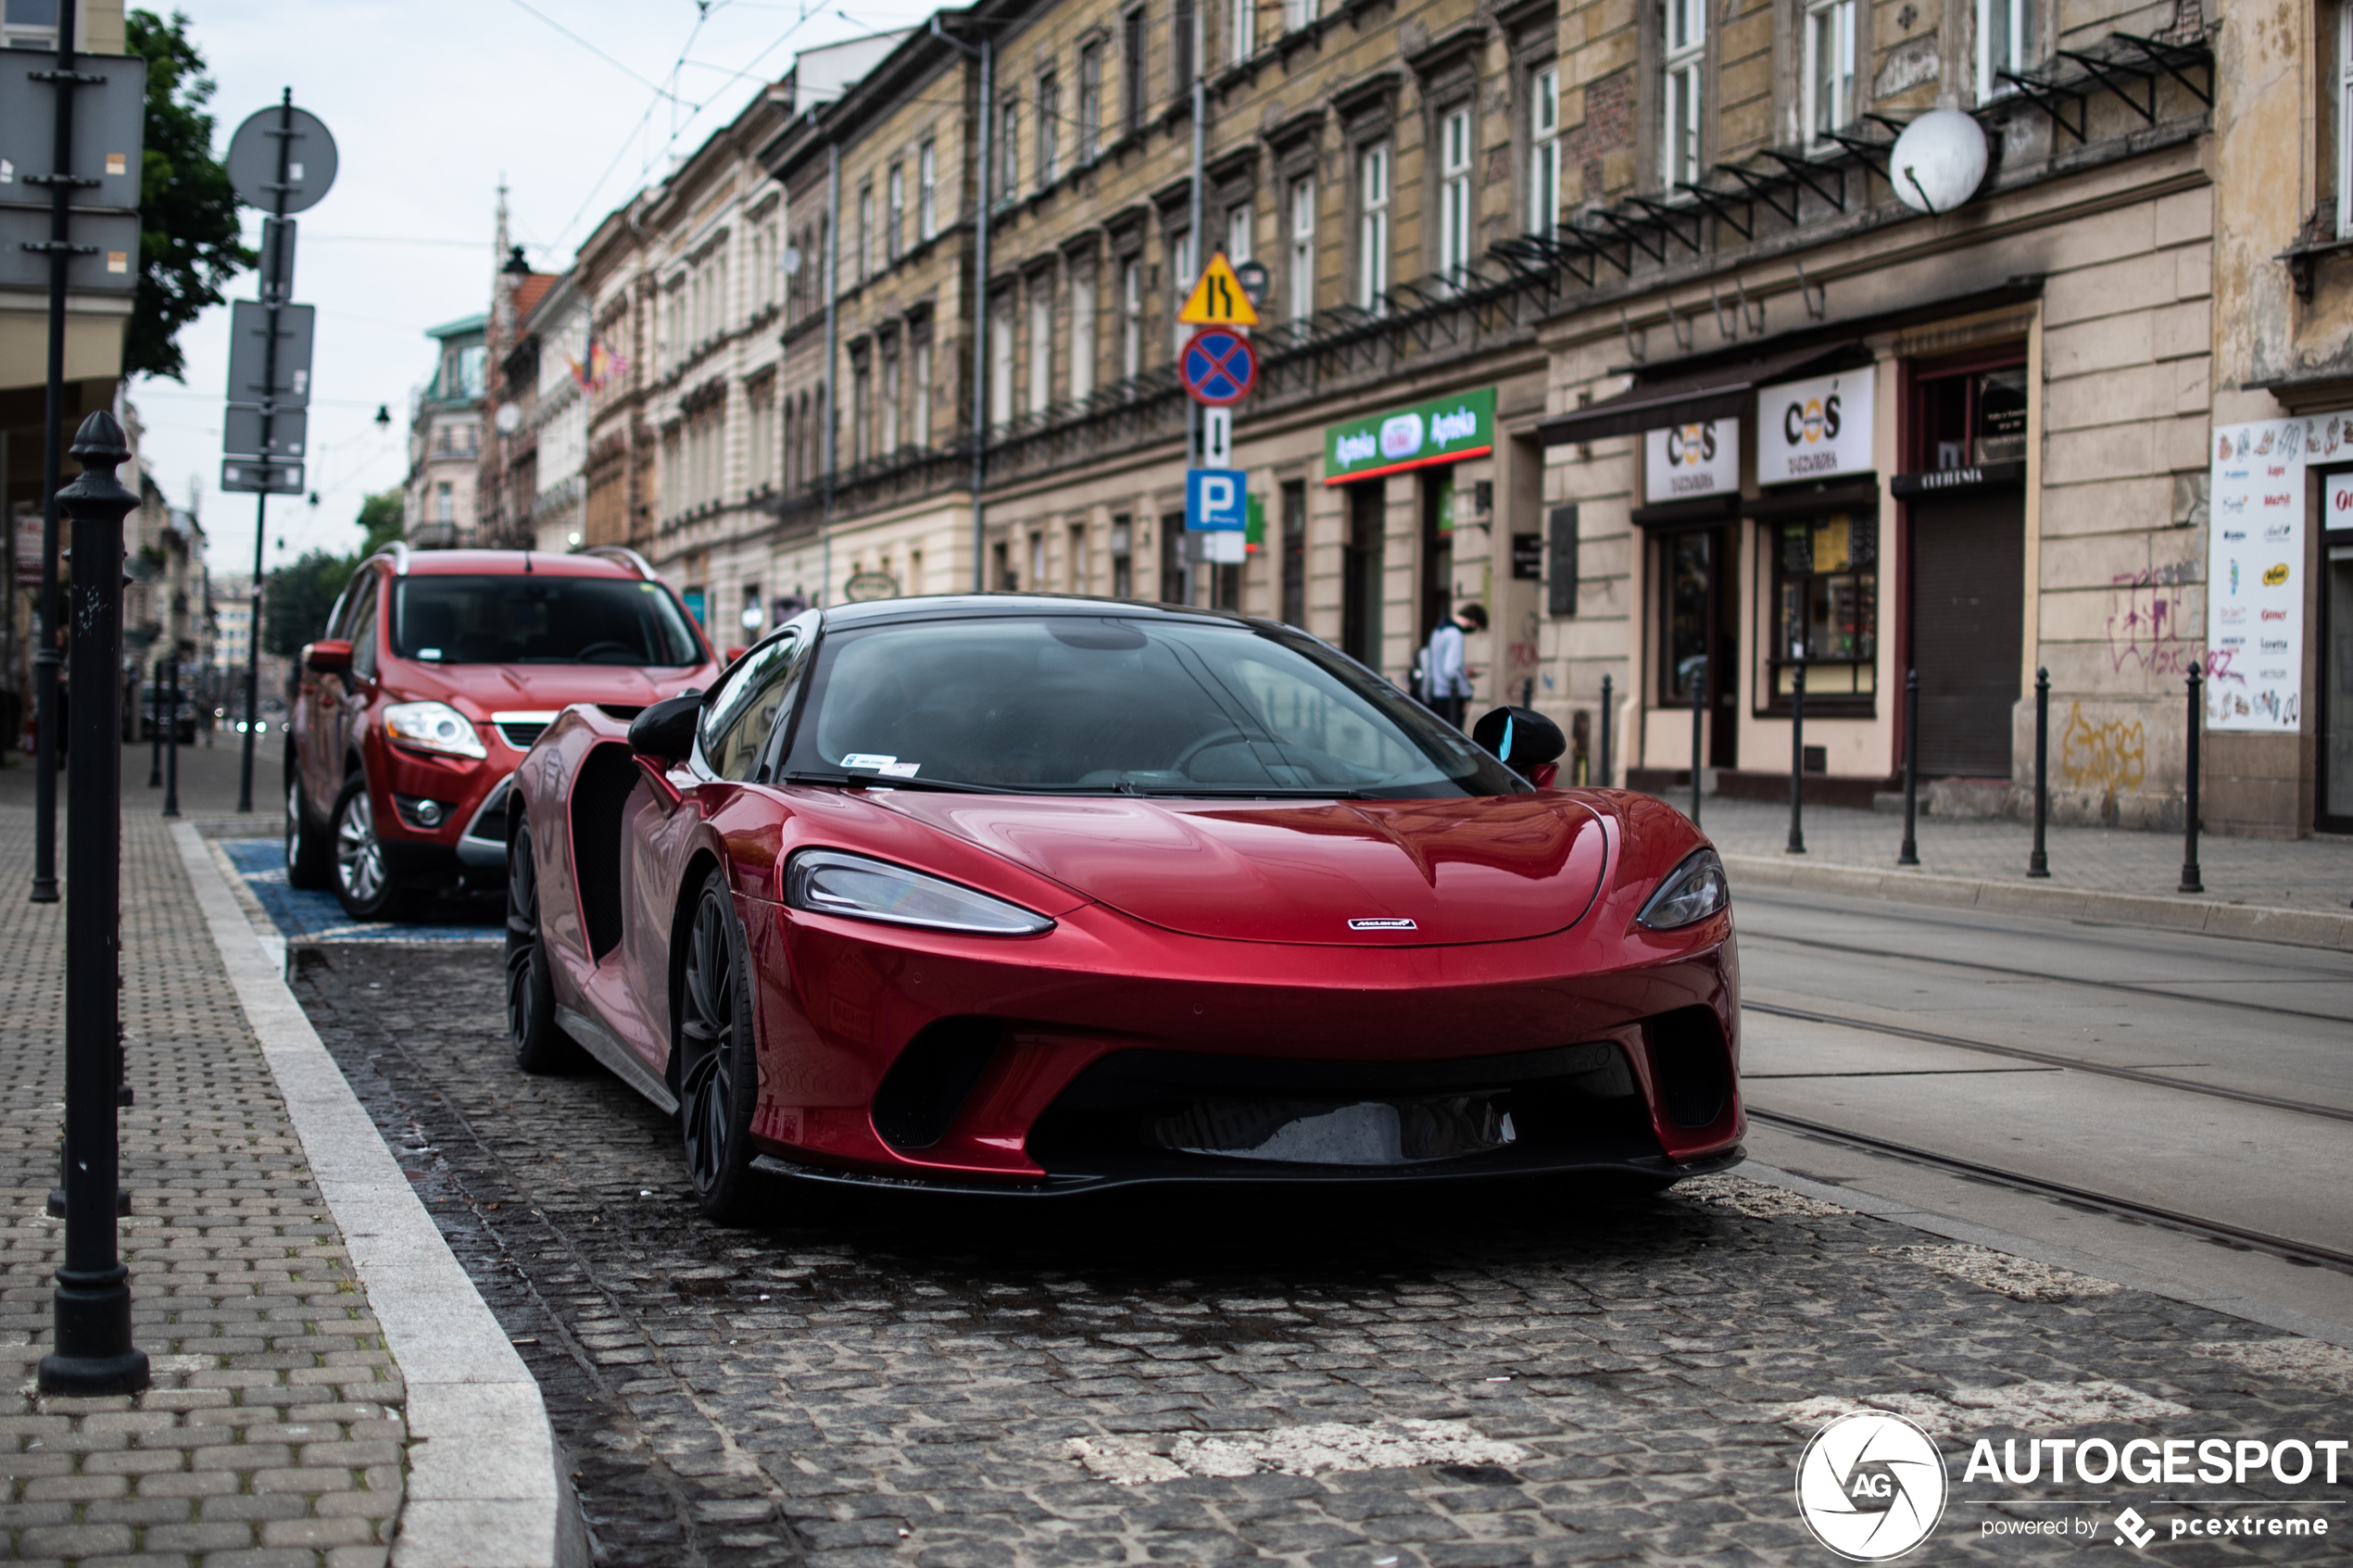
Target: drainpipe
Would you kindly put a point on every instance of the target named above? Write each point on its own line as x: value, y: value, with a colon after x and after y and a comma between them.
x: 828, y: 388
x: 986, y: 54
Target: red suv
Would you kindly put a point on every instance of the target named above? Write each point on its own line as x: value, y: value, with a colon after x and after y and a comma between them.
x: 437, y: 671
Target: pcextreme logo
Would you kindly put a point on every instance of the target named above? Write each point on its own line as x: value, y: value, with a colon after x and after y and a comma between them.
x: 1870, y: 1486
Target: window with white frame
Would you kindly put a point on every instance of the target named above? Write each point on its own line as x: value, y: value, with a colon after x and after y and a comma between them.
x: 1299, y: 261
x: 1242, y: 28
x: 1183, y: 264
x: 1454, y: 194
x: 890, y: 398
x: 1239, y: 223
x: 1001, y: 365
x: 1049, y: 130
x: 1009, y: 150
x: 894, y: 222
x: 2343, y: 94
x: 1297, y: 14
x: 1090, y: 101
x: 865, y: 263
x: 1372, y: 229
x: 1545, y: 150
x: 2005, y: 43
x: 1041, y: 347
x: 1131, y: 317
x: 920, y: 405
x: 1829, y: 65
x: 928, y: 192
x: 1082, y: 335
x: 1683, y: 95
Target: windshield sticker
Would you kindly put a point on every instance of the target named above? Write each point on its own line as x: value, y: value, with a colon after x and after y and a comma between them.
x: 867, y: 760
x: 898, y: 770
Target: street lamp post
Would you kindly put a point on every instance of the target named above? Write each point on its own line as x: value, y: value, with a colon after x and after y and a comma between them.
x: 92, y: 1353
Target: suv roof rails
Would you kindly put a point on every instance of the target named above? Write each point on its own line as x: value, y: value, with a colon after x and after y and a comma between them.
x: 399, y: 551
x: 622, y: 554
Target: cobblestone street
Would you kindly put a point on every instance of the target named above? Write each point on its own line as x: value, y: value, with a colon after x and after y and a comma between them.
x: 879, y: 1380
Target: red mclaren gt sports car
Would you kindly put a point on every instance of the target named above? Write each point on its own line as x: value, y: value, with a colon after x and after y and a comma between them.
x: 1047, y: 895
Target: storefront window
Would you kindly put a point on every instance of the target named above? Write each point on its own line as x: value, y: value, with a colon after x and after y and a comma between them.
x: 1973, y: 419
x: 1690, y: 573
x: 1826, y: 599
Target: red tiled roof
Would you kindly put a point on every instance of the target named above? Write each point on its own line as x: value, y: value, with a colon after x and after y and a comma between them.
x: 531, y: 289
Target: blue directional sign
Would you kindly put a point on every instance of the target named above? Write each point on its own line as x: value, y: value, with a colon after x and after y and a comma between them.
x: 1217, y: 500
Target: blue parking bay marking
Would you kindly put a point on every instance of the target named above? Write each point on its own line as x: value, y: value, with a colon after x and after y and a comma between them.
x: 260, y: 864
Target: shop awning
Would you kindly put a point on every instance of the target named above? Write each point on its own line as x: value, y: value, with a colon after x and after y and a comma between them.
x: 1721, y: 391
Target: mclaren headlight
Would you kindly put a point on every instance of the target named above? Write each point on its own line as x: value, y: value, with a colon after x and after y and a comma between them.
x: 829, y: 882
x: 433, y: 726
x: 1692, y: 891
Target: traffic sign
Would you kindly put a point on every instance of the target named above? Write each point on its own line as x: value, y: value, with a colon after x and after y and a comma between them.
x: 264, y: 479
x: 102, y: 257
x: 1252, y: 277
x: 1219, y: 299
x: 109, y: 130
x: 1216, y: 438
x: 1217, y: 500
x: 253, y: 159
x: 1218, y: 367
x: 242, y: 433
x: 249, y: 328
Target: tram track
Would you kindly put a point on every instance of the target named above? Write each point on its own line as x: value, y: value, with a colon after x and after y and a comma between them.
x: 2305, y: 1253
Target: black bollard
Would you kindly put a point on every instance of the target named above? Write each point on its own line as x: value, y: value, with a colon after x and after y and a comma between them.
x: 2191, y: 881
x: 1908, y: 853
x: 92, y: 1353
x: 1796, y: 760
x: 1603, y: 779
x: 2038, y: 863
x: 1699, y: 713
x: 171, y: 746
x: 155, y: 760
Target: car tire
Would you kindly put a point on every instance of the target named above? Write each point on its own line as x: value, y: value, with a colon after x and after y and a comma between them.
x: 718, y: 1065
x: 364, y: 885
x: 539, y: 1044
x: 310, y: 854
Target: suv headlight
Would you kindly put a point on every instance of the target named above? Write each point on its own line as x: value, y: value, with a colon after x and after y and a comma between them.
x: 827, y: 882
x: 1692, y: 892
x: 433, y: 726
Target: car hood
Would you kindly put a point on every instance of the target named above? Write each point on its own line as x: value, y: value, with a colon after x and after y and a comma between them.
x: 500, y: 688
x: 1481, y: 870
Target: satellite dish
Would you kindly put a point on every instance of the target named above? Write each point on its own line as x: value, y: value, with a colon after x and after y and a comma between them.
x: 509, y: 419
x: 1939, y: 161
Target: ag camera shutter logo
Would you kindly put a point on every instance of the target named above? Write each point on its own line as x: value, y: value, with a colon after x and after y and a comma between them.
x: 1400, y: 435
x: 1870, y: 1486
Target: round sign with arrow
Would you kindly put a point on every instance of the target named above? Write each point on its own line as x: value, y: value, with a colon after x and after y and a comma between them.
x: 1218, y: 367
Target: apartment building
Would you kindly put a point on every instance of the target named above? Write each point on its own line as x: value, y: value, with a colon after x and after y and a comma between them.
x: 444, y: 438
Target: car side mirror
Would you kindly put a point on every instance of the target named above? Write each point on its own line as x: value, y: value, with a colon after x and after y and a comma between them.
x: 329, y: 655
x: 665, y: 732
x: 1520, y: 738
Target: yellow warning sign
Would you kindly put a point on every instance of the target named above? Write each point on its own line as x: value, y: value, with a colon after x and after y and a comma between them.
x: 1217, y: 300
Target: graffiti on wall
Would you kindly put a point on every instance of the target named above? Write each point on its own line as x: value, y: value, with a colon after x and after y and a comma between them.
x: 2111, y: 756
x: 2146, y: 620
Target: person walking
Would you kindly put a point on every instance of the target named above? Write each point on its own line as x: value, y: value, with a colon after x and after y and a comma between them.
x: 1446, y: 680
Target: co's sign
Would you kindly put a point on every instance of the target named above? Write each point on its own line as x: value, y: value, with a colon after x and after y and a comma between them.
x: 1684, y: 461
x: 1815, y: 429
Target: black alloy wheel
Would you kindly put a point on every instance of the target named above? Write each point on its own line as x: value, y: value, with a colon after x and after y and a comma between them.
x: 364, y: 883
x: 718, y: 1069
x: 310, y: 858
x: 539, y: 1044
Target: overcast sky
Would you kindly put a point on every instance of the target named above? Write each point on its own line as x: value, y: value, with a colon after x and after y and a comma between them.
x: 432, y: 102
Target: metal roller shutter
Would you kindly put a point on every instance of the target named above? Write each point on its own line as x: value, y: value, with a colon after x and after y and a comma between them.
x: 1968, y: 606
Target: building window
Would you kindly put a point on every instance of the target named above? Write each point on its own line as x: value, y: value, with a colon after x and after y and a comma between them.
x: 1082, y: 336
x: 927, y: 193
x: 2005, y: 43
x: 1074, y: 559
x: 1183, y: 264
x: 1184, y: 44
x: 1049, y: 152
x: 1297, y: 14
x: 895, y: 230
x: 1826, y: 608
x: 890, y: 398
x: 1238, y: 227
x: 1123, y: 558
x: 1294, y: 585
x: 1679, y: 141
x: 1299, y: 264
x: 866, y: 230
x: 1545, y: 151
x: 1131, y: 318
x: 1454, y: 194
x: 1090, y: 101
x: 922, y: 409
x: 1001, y: 365
x: 1241, y: 26
x: 445, y: 505
x: 1372, y: 238
x: 1132, y: 64
x: 1009, y: 149
x: 2343, y: 94
x: 1041, y: 347
x: 1829, y: 65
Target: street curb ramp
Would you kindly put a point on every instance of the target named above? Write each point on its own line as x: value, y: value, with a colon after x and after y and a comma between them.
x: 486, y: 1485
x: 2297, y: 928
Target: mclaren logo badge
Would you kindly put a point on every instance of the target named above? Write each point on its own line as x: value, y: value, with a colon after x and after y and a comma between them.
x: 1382, y: 922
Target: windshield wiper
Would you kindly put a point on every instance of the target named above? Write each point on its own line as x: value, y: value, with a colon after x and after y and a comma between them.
x: 869, y: 780
x: 1244, y: 791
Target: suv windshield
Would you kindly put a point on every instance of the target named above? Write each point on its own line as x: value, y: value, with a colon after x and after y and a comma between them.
x: 539, y: 618
x: 1065, y: 704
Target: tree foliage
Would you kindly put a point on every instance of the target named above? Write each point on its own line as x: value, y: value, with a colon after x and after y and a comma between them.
x: 381, y: 521
x: 189, y: 243
x: 296, y: 600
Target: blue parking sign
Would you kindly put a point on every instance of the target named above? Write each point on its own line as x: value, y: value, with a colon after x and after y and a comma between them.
x: 1217, y: 500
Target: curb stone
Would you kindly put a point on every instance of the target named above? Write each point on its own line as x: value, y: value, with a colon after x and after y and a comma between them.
x: 486, y: 1489
x: 2299, y: 928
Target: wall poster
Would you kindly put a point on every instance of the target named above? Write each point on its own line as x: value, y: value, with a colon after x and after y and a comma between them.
x: 2255, y: 568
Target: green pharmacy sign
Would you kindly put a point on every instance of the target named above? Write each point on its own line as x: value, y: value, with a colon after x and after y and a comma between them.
x: 1443, y: 430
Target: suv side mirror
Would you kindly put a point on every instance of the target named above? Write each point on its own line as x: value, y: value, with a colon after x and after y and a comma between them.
x: 1522, y: 739
x: 666, y: 731
x: 329, y: 655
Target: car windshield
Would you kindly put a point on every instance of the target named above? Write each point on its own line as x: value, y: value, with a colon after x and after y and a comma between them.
x: 539, y: 618
x: 1063, y: 704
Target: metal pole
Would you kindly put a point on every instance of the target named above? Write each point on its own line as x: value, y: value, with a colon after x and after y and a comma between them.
x: 273, y: 295
x: 1796, y: 844
x: 2191, y: 881
x: 1603, y: 779
x: 1909, y: 854
x: 253, y: 642
x: 53, y: 439
x: 92, y: 1353
x: 829, y: 434
x: 2038, y: 863
x: 1193, y: 430
x: 155, y: 760
x: 171, y: 743
x: 980, y: 321
x: 1699, y: 712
